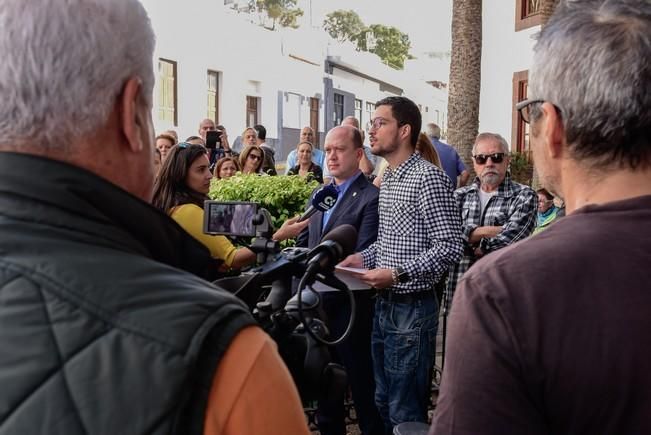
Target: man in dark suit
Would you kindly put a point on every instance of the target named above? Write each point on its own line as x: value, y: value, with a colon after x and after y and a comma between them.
x: 356, y: 205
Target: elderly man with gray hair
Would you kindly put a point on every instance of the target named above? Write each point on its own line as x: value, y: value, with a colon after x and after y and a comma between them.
x: 106, y: 325
x: 495, y: 210
x: 551, y: 335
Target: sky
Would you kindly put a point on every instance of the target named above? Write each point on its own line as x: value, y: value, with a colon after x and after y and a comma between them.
x: 427, y: 22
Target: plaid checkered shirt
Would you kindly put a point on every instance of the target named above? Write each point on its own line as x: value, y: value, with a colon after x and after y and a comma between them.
x: 514, y: 208
x: 419, y: 225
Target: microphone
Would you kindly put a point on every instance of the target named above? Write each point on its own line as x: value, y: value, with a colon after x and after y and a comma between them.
x: 324, y: 199
x: 339, y: 243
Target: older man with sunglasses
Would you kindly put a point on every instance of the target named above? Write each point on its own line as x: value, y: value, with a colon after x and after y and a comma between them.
x: 495, y: 210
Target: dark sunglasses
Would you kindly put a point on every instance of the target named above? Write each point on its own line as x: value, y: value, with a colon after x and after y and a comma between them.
x: 254, y: 157
x: 481, y: 159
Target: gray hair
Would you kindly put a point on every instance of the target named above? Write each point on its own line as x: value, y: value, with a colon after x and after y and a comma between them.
x: 494, y: 137
x: 64, y: 63
x: 433, y: 130
x: 592, y: 62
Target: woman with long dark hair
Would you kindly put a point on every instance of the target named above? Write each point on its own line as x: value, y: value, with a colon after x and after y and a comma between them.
x: 180, y: 190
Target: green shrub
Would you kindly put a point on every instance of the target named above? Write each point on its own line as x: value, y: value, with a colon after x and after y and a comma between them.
x: 521, y: 168
x: 283, y: 196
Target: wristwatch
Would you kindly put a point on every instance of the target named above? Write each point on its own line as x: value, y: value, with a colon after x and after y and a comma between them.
x: 399, y: 275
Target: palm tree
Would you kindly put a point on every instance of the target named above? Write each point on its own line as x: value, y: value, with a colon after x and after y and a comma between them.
x: 465, y: 77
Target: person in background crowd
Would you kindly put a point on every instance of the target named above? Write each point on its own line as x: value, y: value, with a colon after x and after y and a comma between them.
x: 225, y: 143
x: 306, y: 168
x: 551, y: 335
x: 547, y: 211
x: 251, y: 159
x: 269, y: 162
x: 226, y: 167
x: 496, y: 211
x: 180, y: 191
x: 172, y: 133
x: 205, y: 126
x: 419, y: 238
x: 450, y: 160
x: 157, y: 162
x: 105, y: 325
x: 423, y: 147
x: 249, y: 137
x: 163, y: 144
x: 195, y: 140
x: 357, y: 205
x: 318, y: 157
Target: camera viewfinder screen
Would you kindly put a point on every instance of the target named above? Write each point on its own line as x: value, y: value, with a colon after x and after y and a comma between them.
x: 230, y: 218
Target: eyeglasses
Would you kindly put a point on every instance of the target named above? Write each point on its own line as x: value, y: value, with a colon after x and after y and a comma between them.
x: 254, y: 157
x: 525, y: 106
x: 481, y: 159
x: 376, y: 124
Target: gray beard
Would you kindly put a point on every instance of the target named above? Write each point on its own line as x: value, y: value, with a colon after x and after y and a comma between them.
x: 490, y: 179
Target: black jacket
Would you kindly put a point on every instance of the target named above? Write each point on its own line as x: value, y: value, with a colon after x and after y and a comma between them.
x: 99, y: 330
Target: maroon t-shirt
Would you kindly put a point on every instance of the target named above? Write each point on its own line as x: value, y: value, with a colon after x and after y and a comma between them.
x: 553, y: 334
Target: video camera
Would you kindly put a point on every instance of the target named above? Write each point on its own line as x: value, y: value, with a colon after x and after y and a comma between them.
x: 293, y: 319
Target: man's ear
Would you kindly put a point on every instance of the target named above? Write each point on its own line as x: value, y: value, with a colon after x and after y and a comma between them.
x: 405, y: 132
x: 130, y: 120
x: 553, y: 130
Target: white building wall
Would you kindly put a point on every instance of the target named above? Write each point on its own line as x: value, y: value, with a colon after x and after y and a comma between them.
x: 504, y: 52
x: 202, y: 35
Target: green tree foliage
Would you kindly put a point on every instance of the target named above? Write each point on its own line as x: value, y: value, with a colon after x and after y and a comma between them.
x: 343, y: 25
x: 389, y: 43
x: 283, y: 12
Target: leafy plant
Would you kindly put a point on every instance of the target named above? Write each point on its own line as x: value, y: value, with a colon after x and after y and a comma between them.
x: 283, y: 196
x: 521, y: 168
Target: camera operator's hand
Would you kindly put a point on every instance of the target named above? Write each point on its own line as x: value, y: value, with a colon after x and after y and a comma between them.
x: 290, y: 229
x: 353, y: 260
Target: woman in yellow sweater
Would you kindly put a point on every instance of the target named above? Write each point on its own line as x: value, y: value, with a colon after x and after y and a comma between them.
x: 180, y: 190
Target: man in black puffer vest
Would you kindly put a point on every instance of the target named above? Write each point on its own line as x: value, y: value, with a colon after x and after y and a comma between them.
x: 105, y: 325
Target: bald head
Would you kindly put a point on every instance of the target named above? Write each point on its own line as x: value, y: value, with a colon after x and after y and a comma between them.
x: 343, y: 148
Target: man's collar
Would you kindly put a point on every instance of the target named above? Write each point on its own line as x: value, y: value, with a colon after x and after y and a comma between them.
x: 404, y: 166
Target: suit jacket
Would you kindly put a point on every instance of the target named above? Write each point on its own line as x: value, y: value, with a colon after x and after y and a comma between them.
x: 358, y: 207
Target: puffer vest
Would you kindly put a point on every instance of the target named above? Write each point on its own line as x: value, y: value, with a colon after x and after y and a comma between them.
x: 100, y: 332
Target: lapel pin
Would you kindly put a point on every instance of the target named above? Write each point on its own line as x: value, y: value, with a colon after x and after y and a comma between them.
x: 354, y: 194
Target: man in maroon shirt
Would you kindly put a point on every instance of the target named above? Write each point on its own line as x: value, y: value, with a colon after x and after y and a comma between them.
x: 551, y: 335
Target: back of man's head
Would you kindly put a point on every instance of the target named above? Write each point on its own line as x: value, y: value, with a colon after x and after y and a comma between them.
x: 433, y: 131
x: 262, y: 132
x: 351, y: 121
x: 602, y: 89
x: 64, y: 64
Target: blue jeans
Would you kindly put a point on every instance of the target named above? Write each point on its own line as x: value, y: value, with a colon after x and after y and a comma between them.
x: 403, y: 348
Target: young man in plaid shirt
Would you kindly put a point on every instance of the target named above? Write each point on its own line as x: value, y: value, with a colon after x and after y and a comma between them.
x: 419, y: 239
x: 496, y: 211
